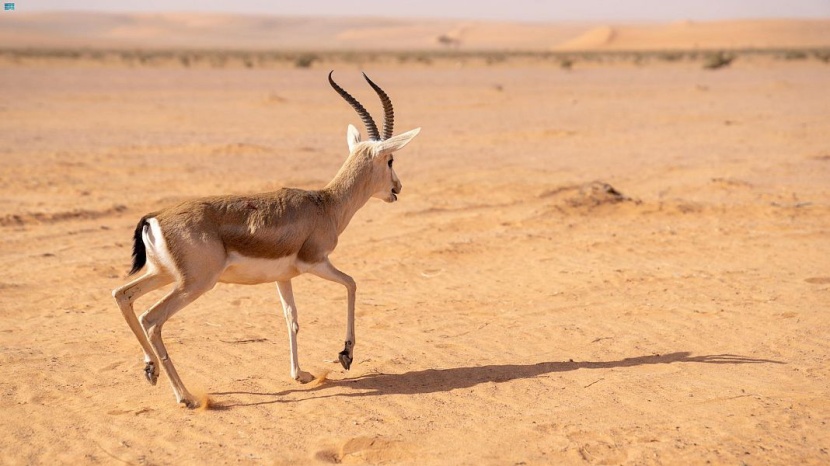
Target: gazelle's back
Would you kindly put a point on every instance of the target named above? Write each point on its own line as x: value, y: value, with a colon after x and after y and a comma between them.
x: 262, y: 228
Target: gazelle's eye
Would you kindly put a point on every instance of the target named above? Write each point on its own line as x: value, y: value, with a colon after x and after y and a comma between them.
x: 390, y: 163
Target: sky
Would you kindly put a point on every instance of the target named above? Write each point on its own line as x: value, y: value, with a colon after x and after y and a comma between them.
x: 506, y: 10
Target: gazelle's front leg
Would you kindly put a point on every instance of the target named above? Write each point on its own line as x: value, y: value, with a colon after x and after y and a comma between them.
x: 290, y: 310
x: 328, y: 271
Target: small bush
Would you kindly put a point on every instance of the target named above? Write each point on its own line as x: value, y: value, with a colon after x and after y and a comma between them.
x: 822, y: 56
x: 795, y: 55
x: 494, y: 58
x: 448, y: 41
x: 670, y: 56
x: 717, y: 60
x: 305, y: 60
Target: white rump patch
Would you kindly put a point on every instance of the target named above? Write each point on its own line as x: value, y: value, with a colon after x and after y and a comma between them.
x: 158, y: 255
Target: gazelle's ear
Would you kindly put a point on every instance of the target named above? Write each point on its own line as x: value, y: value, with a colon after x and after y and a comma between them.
x: 352, y: 137
x: 396, y: 143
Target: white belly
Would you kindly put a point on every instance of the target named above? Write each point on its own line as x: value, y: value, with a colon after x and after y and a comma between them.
x: 250, y: 271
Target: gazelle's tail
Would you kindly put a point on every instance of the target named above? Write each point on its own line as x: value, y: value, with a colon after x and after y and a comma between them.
x: 139, y: 250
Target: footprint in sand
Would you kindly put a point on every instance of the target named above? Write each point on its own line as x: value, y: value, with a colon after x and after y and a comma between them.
x: 363, y: 450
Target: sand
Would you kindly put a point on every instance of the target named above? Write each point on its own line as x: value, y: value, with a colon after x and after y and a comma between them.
x: 607, y: 265
x: 63, y: 30
x: 690, y: 35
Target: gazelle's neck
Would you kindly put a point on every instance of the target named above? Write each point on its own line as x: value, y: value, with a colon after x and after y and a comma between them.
x: 350, y: 189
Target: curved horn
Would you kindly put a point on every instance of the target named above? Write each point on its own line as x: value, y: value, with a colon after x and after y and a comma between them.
x: 368, y: 122
x: 388, y: 111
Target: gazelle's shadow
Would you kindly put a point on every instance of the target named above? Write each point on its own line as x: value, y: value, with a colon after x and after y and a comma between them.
x: 442, y: 380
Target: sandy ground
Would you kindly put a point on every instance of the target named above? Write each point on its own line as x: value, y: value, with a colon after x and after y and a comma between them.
x: 509, y: 311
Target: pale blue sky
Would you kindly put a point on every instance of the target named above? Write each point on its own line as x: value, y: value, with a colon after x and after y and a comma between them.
x: 512, y: 10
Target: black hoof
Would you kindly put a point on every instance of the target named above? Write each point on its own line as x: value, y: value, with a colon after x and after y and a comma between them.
x: 345, y: 359
x: 150, y: 373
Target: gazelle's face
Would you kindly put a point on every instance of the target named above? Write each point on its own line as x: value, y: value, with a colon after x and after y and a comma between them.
x: 389, y: 186
x: 380, y: 156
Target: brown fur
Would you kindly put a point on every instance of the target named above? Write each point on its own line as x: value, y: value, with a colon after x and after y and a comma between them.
x: 272, y: 225
x: 268, y: 225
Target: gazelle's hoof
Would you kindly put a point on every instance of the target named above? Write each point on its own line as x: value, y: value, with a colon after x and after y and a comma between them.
x: 190, y: 404
x: 150, y: 373
x: 345, y: 359
x: 304, y: 377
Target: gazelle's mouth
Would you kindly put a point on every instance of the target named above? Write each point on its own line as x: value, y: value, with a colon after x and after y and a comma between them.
x: 394, y: 196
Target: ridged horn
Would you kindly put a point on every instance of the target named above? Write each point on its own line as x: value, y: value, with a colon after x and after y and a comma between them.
x: 368, y: 122
x: 388, y: 111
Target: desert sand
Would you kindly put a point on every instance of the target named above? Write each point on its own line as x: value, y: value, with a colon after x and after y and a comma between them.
x: 602, y: 265
x: 248, y: 32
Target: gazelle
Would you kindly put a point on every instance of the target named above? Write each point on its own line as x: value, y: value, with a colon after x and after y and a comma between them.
x: 262, y: 238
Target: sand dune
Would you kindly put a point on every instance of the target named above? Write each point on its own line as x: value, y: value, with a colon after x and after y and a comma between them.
x: 714, y: 35
x: 182, y: 30
x: 596, y: 38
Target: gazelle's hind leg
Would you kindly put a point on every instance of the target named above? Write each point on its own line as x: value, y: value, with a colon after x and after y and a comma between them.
x: 152, y: 322
x: 290, y: 310
x: 125, y: 296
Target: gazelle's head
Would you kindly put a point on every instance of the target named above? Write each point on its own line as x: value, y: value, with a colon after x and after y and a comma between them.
x: 376, y: 156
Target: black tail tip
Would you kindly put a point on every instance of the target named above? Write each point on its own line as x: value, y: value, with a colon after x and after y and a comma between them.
x: 139, y: 251
x: 136, y: 268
